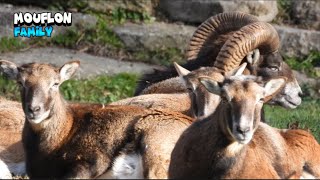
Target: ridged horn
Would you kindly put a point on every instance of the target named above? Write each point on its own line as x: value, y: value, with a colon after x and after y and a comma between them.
x: 258, y: 35
x: 204, y: 37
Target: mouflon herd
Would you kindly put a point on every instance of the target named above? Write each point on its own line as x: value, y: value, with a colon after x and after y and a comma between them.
x: 203, y: 119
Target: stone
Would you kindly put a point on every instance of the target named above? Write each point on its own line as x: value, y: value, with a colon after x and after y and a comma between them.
x: 294, y: 42
x: 306, y: 13
x: 198, y: 11
x: 298, y: 42
x: 90, y: 65
x: 154, y: 36
x: 142, y: 6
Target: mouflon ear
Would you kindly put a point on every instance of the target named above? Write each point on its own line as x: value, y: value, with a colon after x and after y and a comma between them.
x: 9, y: 69
x: 237, y: 71
x: 256, y: 55
x: 181, y: 70
x: 68, y: 69
x: 211, y: 85
x: 273, y: 86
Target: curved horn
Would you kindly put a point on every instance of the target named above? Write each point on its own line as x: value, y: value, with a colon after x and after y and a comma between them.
x: 259, y: 35
x: 204, y: 37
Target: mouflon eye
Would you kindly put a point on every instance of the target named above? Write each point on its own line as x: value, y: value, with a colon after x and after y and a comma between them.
x: 55, y: 85
x: 273, y: 68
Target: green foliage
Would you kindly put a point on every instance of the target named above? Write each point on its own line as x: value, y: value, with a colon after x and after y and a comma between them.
x: 121, y: 15
x: 307, y: 64
x: 102, y: 89
x: 68, y: 39
x: 9, y: 88
x: 284, y: 11
x: 307, y: 115
x: 64, y: 5
x: 11, y: 44
x: 285, y: 5
x: 310, y: 92
x: 103, y: 34
x: 100, y: 34
x: 164, y: 56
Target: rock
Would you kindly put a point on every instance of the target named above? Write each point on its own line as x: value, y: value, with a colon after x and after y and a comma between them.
x: 298, y: 42
x: 7, y: 10
x: 154, y: 36
x: 90, y: 65
x: 312, y: 84
x: 31, y: 2
x: 304, y: 79
x: 294, y: 42
x: 306, y: 13
x: 141, y: 6
x: 265, y: 10
x: 199, y: 11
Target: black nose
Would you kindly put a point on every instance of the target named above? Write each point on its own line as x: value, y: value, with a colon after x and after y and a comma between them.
x: 33, y: 109
x: 242, y: 130
x: 300, y: 94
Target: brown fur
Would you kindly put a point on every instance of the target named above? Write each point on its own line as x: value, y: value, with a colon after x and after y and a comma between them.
x: 11, y: 115
x: 78, y: 141
x: 11, y: 124
x: 98, y: 136
x: 11, y: 150
x: 207, y: 150
x: 174, y: 102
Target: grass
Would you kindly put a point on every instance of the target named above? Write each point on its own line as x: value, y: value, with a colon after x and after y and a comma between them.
x: 284, y: 12
x: 102, y: 89
x: 307, y: 115
x: 11, y: 44
x: 100, y: 34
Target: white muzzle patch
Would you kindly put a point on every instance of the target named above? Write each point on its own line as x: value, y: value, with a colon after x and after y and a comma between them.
x: 39, y: 119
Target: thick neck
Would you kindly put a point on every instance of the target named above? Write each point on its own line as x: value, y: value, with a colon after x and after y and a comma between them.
x: 225, y: 153
x: 53, y: 131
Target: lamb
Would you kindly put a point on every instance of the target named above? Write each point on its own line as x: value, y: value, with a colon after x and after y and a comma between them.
x: 11, y: 123
x: 233, y: 143
x: 208, y: 47
x: 65, y: 141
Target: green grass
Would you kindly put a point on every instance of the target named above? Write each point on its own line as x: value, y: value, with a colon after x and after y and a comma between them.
x: 100, y: 34
x: 102, y: 89
x: 11, y: 44
x: 284, y: 12
x: 307, y: 115
x: 121, y: 15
